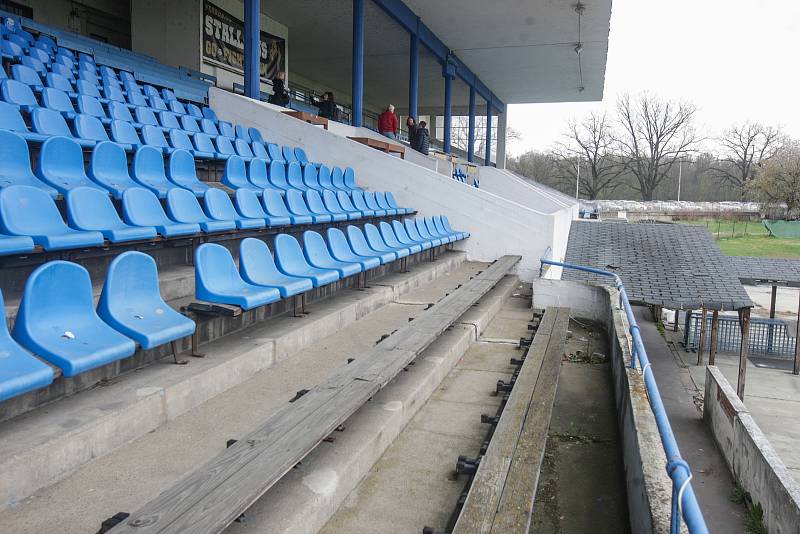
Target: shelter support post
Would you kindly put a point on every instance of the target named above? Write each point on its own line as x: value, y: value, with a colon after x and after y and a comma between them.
x: 471, y: 132
x: 675, y: 322
x: 252, y: 48
x: 448, y: 71
x: 487, y: 159
x: 712, y: 349
x: 744, y: 325
x: 702, y: 345
x: 413, y: 77
x: 771, y: 328
x: 358, y: 63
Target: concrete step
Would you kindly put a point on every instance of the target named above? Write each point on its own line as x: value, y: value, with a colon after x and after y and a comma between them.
x: 43, y: 446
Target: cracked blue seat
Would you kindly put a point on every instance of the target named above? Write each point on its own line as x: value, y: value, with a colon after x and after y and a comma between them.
x: 183, y: 173
x: 391, y: 239
x: 20, y: 371
x: 220, y: 207
x: 58, y: 322
x: 141, y: 207
x: 257, y: 174
x: 218, y: 280
x: 311, y: 178
x: 392, y: 203
x: 376, y: 242
x: 290, y: 260
x: 108, y: 167
x: 257, y: 266
x: 350, y: 178
x: 235, y: 175
x: 318, y: 207
x: 435, y: 232
x: 317, y: 255
x: 250, y: 208
x: 11, y: 120
x: 372, y: 203
x: 91, y: 210
x: 413, y: 233
x: 422, y: 230
x: 402, y: 235
x: 297, y: 206
x: 294, y: 176
x: 380, y: 199
x: 340, y: 250
x: 182, y: 206
x: 275, y: 206
x: 277, y: 175
x: 446, y: 224
x: 148, y: 169
x: 324, y: 178
x: 15, y: 164
x: 333, y: 207
x: 61, y: 165
x: 347, y: 205
x: 360, y: 203
x: 359, y: 245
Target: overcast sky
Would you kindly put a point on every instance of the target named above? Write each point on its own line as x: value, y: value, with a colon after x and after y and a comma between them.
x: 735, y: 59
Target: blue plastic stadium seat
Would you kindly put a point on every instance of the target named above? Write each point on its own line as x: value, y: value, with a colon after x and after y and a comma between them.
x: 447, y: 226
x: 350, y: 178
x: 294, y: 177
x: 204, y: 144
x: 91, y: 106
x: 89, y: 89
x: 182, y: 172
x: 391, y: 239
x: 58, y: 322
x: 27, y: 75
x: 434, y: 231
x: 259, y: 151
x: 142, y: 208
x: 333, y: 207
x: 90, y: 128
x: 311, y: 178
x: 119, y: 111
x: 318, y: 207
x: 208, y: 127
x: 257, y: 266
x: 371, y: 202
x: 207, y: 113
x: 275, y: 206
x: 277, y: 175
x: 15, y: 244
x: 257, y: 174
x: 179, y: 140
x: 149, y: 90
x: 57, y: 81
x: 219, y: 207
x: 10, y: 49
x: 108, y: 167
x: 324, y: 178
x: 241, y: 132
x: 175, y: 106
x: 301, y: 156
x: 29, y: 211
x: 114, y: 93
x: 360, y: 203
x: 288, y: 154
x: 224, y: 147
x: 153, y: 136
x: 148, y: 169
x: 20, y: 372
x: 64, y: 71
x: 146, y: 116
x: 50, y: 123
x: 422, y: 229
x: 168, y: 94
x: 290, y: 260
x: 243, y: 148
x: 337, y: 179
x: 434, y: 223
x: 61, y: 165
x: 359, y: 245
x: 393, y: 204
x: 135, y: 96
x: 15, y: 164
x: 235, y: 175
x: 89, y: 76
x: 376, y: 242
x: 317, y: 254
x: 275, y: 153
x: 218, y: 280
x: 255, y: 135
x: 168, y: 120
x: 189, y: 124
x: 413, y: 233
x: 35, y: 65
x: 249, y: 207
x: 156, y: 102
x: 340, y: 249
x: 297, y: 205
x: 183, y: 207
x: 18, y: 93
x: 403, y: 236
x: 125, y: 134
x: 380, y: 199
x: 226, y: 129
x: 347, y: 205
x: 91, y: 210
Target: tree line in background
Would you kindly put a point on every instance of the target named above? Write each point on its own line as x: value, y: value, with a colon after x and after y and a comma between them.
x: 650, y: 149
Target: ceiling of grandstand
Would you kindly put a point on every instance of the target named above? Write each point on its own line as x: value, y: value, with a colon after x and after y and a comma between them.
x: 523, y: 50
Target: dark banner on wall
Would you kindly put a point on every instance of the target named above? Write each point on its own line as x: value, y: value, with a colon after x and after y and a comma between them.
x: 223, y: 42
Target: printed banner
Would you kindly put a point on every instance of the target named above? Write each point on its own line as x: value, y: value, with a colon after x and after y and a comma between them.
x: 223, y: 42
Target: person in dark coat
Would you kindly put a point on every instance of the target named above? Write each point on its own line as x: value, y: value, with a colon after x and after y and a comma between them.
x: 327, y: 106
x: 422, y: 138
x: 280, y: 95
x: 411, y: 125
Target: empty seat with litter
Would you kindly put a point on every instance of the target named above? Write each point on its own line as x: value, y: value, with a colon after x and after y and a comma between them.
x: 91, y: 210
x: 183, y: 207
x: 340, y: 249
x: 220, y: 207
x: 257, y: 266
x: 61, y: 165
x: 141, y: 207
x: 290, y: 260
x: 58, y: 322
x: 218, y: 280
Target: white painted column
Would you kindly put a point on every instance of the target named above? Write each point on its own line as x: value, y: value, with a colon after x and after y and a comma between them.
x: 502, y: 121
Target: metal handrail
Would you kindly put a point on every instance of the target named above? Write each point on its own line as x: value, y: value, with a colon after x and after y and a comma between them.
x: 684, y: 501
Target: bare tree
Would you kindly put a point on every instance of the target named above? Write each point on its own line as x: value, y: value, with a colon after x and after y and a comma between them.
x: 591, y: 145
x: 745, y: 148
x: 655, y: 134
x: 777, y: 182
x: 534, y: 165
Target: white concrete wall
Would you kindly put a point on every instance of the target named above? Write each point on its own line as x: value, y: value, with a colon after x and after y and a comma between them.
x: 498, y: 226
x: 751, y: 458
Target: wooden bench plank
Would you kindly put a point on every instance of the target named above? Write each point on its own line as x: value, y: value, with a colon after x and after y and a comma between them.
x: 209, y: 499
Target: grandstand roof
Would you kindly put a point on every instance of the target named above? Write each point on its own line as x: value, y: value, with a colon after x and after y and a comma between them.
x: 671, y: 265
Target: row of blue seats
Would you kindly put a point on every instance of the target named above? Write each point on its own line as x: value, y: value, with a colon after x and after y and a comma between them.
x: 30, y: 217
x: 263, y: 279
x: 58, y: 322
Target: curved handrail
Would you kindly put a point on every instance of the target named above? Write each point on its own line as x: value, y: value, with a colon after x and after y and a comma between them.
x: 684, y: 501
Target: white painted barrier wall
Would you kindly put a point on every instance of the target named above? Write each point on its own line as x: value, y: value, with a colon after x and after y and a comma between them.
x: 497, y: 225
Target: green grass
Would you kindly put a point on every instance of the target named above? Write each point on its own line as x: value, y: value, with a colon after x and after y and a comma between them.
x: 748, y: 238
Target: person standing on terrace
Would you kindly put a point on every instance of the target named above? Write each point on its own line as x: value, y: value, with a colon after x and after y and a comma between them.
x: 388, y: 123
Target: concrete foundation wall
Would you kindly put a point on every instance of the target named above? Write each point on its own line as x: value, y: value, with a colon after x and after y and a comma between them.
x: 498, y: 226
x: 750, y: 456
x: 649, y: 489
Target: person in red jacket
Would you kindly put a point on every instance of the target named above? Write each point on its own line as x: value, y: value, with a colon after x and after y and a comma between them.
x: 388, y: 123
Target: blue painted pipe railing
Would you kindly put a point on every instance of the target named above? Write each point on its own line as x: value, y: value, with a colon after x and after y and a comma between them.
x: 684, y: 501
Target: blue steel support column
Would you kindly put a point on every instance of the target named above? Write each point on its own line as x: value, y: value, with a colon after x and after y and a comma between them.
x: 488, y: 157
x: 471, y: 139
x: 413, y: 77
x: 252, y: 48
x: 358, y: 62
x: 448, y: 112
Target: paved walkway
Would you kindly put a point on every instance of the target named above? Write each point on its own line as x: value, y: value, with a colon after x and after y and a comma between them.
x: 712, y: 482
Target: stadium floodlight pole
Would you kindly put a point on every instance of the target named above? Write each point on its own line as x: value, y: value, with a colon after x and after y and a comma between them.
x: 252, y: 49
